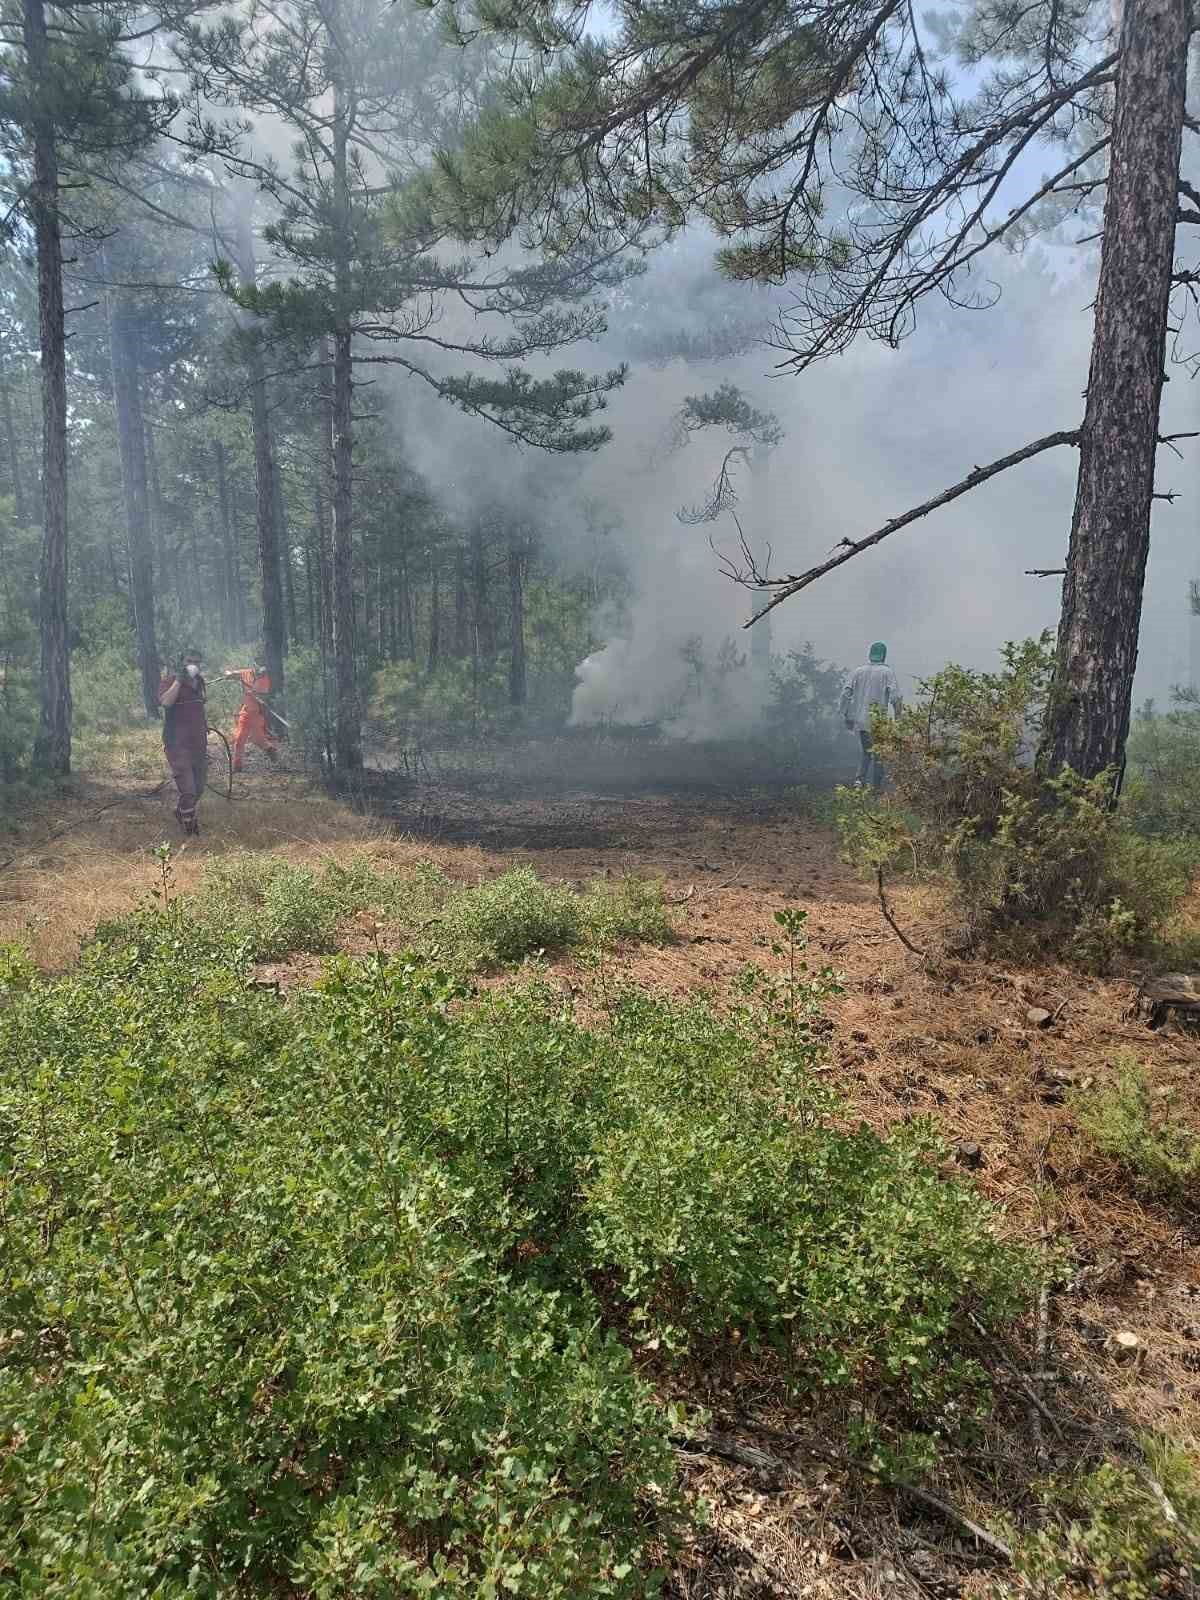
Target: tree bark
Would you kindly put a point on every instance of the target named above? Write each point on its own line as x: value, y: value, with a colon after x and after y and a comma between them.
x: 284, y: 546
x: 1088, y: 717
x: 52, y: 747
x: 348, y: 717
x: 518, y: 686
x: 321, y: 507
x: 131, y: 438
x: 228, y: 546
x: 274, y: 642
x: 435, y: 615
x: 348, y: 735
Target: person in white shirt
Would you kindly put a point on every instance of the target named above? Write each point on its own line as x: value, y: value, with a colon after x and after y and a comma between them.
x: 873, y: 685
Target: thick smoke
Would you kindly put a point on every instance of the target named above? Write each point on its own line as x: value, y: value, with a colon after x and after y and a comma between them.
x: 865, y: 436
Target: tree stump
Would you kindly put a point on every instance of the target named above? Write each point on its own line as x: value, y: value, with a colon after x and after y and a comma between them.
x: 1174, y: 993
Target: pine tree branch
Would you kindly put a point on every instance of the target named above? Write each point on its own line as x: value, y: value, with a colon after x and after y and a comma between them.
x: 751, y: 578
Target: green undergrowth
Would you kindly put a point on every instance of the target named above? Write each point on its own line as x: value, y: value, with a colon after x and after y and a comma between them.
x: 1125, y: 1120
x: 1038, y: 866
x: 376, y: 1291
x: 1129, y: 1534
x: 266, y: 908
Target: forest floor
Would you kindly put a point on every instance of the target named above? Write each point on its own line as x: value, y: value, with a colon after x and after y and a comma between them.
x: 963, y: 1043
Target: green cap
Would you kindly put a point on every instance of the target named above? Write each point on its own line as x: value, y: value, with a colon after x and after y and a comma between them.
x: 878, y: 653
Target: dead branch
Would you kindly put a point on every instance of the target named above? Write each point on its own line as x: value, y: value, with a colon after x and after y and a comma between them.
x: 720, y: 1445
x: 890, y: 919
x: 1045, y: 572
x: 952, y: 1514
x: 1041, y: 1346
x: 752, y: 578
x: 727, y: 1449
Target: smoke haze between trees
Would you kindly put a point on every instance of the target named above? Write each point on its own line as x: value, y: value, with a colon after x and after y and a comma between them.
x: 864, y: 438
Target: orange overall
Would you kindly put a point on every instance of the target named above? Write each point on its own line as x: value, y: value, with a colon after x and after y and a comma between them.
x: 251, y: 724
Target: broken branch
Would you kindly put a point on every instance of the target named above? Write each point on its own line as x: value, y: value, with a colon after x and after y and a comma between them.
x: 890, y: 919
x: 847, y: 548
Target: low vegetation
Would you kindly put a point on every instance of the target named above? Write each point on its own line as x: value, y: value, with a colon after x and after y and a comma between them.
x: 381, y: 1290
x: 1160, y: 1154
x: 1114, y: 1531
x: 262, y: 908
x: 1037, y: 865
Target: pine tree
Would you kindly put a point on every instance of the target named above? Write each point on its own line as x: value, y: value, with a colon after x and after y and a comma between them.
x: 366, y: 91
x: 69, y: 99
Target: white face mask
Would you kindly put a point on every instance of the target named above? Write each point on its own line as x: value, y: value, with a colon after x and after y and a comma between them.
x: 193, y: 671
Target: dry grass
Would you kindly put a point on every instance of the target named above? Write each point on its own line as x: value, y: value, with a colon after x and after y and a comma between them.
x: 89, y: 855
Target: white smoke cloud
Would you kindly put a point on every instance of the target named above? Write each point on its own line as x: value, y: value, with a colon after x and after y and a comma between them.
x: 866, y: 436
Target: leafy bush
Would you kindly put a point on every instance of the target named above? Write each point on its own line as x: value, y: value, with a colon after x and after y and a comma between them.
x: 511, y: 917
x: 631, y: 908
x: 1035, y: 861
x: 267, y: 908
x: 1162, y: 789
x: 305, y: 1299
x: 1161, y: 1155
x: 1107, y: 1533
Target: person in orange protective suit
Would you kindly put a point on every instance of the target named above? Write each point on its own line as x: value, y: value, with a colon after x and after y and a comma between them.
x: 251, y: 725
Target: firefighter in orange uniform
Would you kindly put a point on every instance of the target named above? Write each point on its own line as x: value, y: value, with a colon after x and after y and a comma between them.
x: 251, y: 725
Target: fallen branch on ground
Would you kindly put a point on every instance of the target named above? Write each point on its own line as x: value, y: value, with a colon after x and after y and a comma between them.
x: 890, y: 919
x: 727, y: 1449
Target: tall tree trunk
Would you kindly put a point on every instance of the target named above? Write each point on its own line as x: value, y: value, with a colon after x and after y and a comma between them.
x: 321, y: 506
x: 462, y: 617
x: 348, y: 731
x: 518, y: 685
x: 348, y: 723
x: 228, y: 546
x: 131, y: 439
x: 15, y: 475
x: 274, y: 641
x: 310, y: 597
x: 285, y: 554
x: 1088, y: 718
x: 435, y: 614
x: 52, y: 747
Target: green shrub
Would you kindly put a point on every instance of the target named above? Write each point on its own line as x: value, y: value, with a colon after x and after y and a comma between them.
x: 1162, y: 787
x: 1108, y: 1533
x: 629, y: 909
x: 338, y: 1297
x: 513, y: 916
x: 267, y: 908
x: 277, y: 907
x: 1161, y: 1154
x: 1036, y: 862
